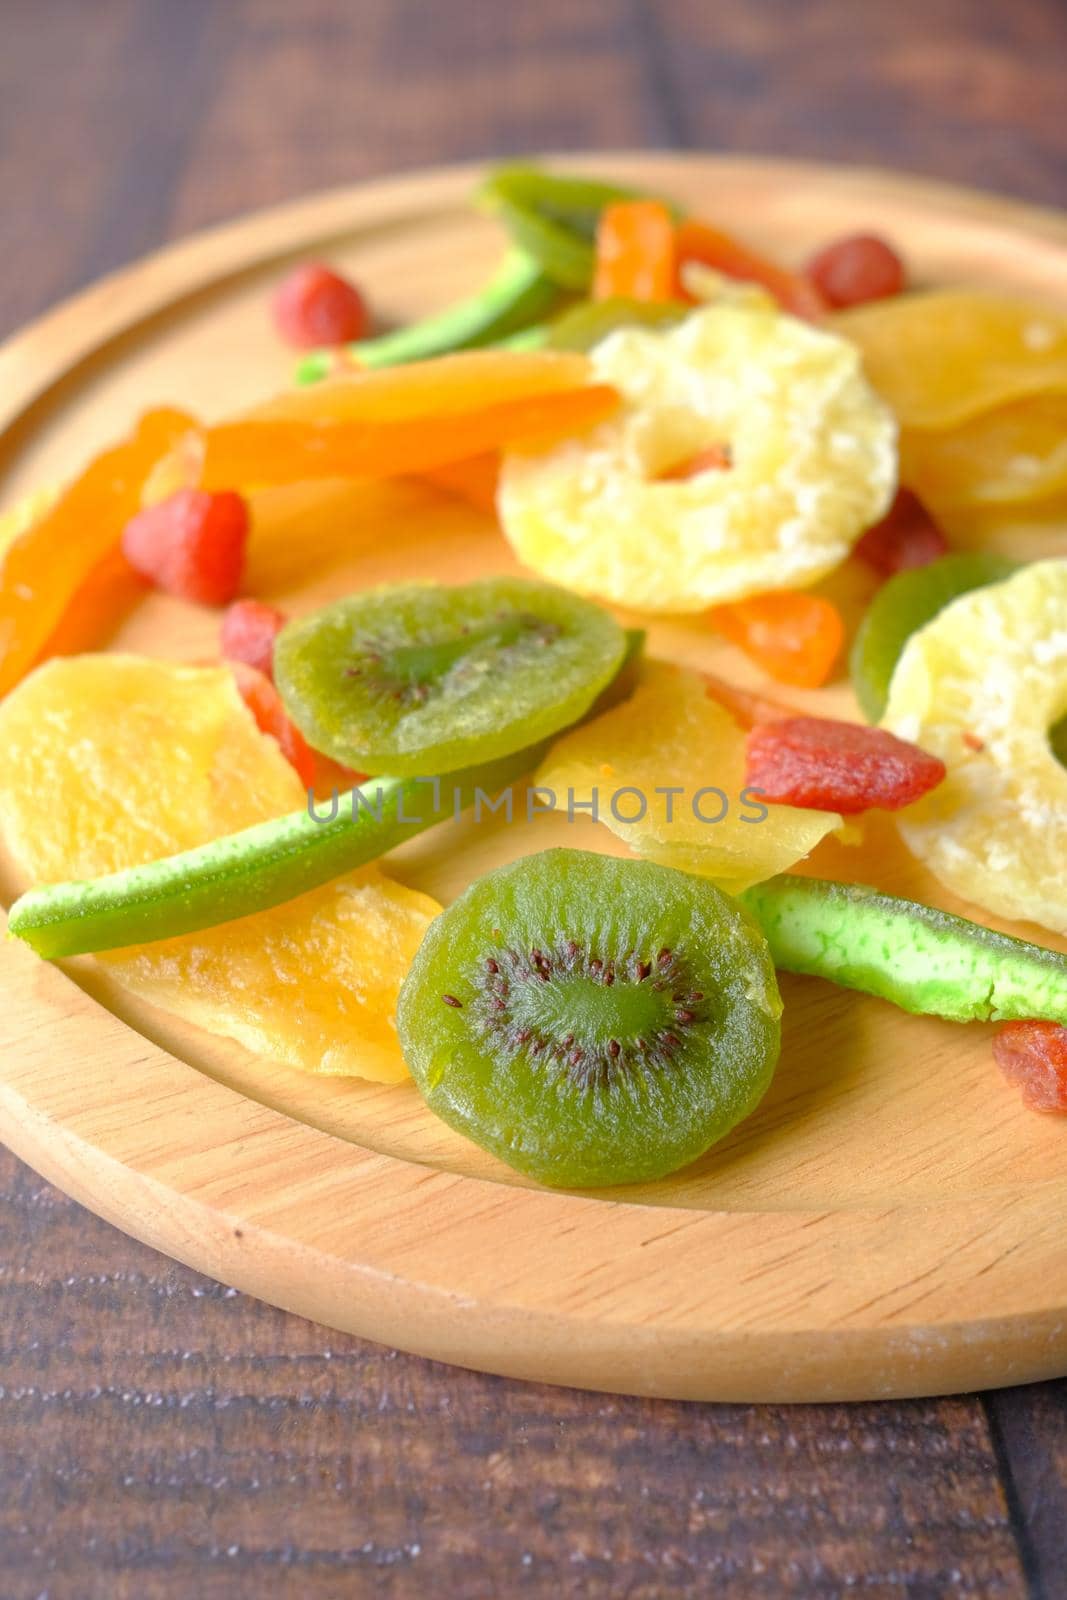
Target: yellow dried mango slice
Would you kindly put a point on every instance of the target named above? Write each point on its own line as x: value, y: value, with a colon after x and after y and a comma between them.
x: 111, y: 761
x: 980, y: 686
x: 943, y: 355
x: 812, y: 454
x: 670, y: 734
x: 1009, y: 456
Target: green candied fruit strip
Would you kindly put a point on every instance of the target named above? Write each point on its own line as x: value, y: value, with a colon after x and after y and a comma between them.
x: 552, y: 217
x: 923, y: 960
x: 516, y: 298
x: 584, y: 325
x: 260, y: 867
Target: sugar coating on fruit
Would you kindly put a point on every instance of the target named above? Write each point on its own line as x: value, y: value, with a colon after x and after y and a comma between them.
x: 112, y: 761
x: 670, y: 733
x: 813, y: 463
x: 979, y: 686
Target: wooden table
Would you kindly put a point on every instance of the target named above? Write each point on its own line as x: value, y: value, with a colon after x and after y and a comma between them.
x: 163, y: 1436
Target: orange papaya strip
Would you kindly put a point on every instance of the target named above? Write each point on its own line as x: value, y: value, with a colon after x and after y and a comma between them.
x: 793, y: 636
x: 270, y: 452
x: 635, y: 252
x: 43, y: 570
x: 473, y: 479
x: 699, y: 241
x: 470, y: 380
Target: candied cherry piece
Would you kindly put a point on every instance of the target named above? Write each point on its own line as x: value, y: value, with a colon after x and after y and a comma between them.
x: 249, y: 629
x: 715, y: 458
x: 906, y: 537
x: 265, y: 704
x: 854, y: 270
x: 191, y: 545
x: 795, y: 637
x: 1033, y: 1056
x: 837, y: 766
x: 315, y: 306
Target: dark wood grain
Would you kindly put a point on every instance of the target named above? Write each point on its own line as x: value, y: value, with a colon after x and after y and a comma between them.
x: 163, y: 1436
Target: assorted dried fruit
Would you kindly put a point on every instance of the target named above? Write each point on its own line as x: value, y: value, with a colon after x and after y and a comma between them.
x: 979, y: 687
x: 904, y: 605
x: 666, y: 420
x: 837, y: 766
x: 591, y: 1021
x: 312, y: 982
x: 795, y: 637
x: 315, y: 305
x: 191, y: 545
x: 852, y: 271
x: 423, y: 679
x: 922, y: 959
x: 812, y: 463
x: 665, y: 771
x: 1033, y: 1057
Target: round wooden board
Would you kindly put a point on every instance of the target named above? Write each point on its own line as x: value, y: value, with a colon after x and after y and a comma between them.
x: 889, y: 1222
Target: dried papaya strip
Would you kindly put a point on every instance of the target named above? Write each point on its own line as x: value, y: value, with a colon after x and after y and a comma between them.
x: 45, y: 567
x: 269, y: 451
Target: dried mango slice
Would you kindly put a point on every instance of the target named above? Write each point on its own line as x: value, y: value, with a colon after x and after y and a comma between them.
x: 812, y: 452
x: 1013, y: 454
x: 670, y: 733
x: 980, y: 686
x: 111, y: 761
x: 944, y: 355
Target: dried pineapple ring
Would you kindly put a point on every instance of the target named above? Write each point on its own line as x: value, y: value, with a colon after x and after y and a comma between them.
x: 813, y: 463
x: 110, y: 761
x: 669, y: 732
x: 948, y: 354
x: 980, y: 687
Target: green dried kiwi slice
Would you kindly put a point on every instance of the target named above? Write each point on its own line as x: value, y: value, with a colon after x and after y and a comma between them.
x: 903, y: 605
x: 591, y: 1020
x: 423, y: 678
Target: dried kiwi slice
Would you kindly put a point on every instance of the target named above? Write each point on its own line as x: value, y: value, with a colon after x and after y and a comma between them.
x: 421, y: 678
x: 905, y: 604
x: 591, y: 1020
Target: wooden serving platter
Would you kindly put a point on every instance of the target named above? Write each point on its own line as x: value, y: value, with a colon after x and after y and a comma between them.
x: 890, y: 1222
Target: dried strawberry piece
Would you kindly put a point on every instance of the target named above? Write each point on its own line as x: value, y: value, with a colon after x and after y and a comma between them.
x: 315, y: 305
x: 191, y: 545
x: 837, y: 766
x: 265, y: 704
x: 1033, y: 1056
x: 907, y: 536
x: 857, y: 269
x: 249, y: 629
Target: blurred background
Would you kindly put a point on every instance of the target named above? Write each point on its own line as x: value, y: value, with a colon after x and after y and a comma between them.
x: 125, y: 122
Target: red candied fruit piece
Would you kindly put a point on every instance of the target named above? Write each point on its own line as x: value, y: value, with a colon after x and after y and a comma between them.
x: 265, y: 704
x: 249, y: 629
x: 906, y: 537
x: 1033, y: 1056
x: 191, y: 545
x: 854, y: 270
x: 315, y: 305
x: 837, y: 766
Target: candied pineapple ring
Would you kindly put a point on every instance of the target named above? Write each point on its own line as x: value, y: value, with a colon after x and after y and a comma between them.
x: 980, y: 686
x: 812, y: 462
x: 669, y: 732
x: 111, y: 761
